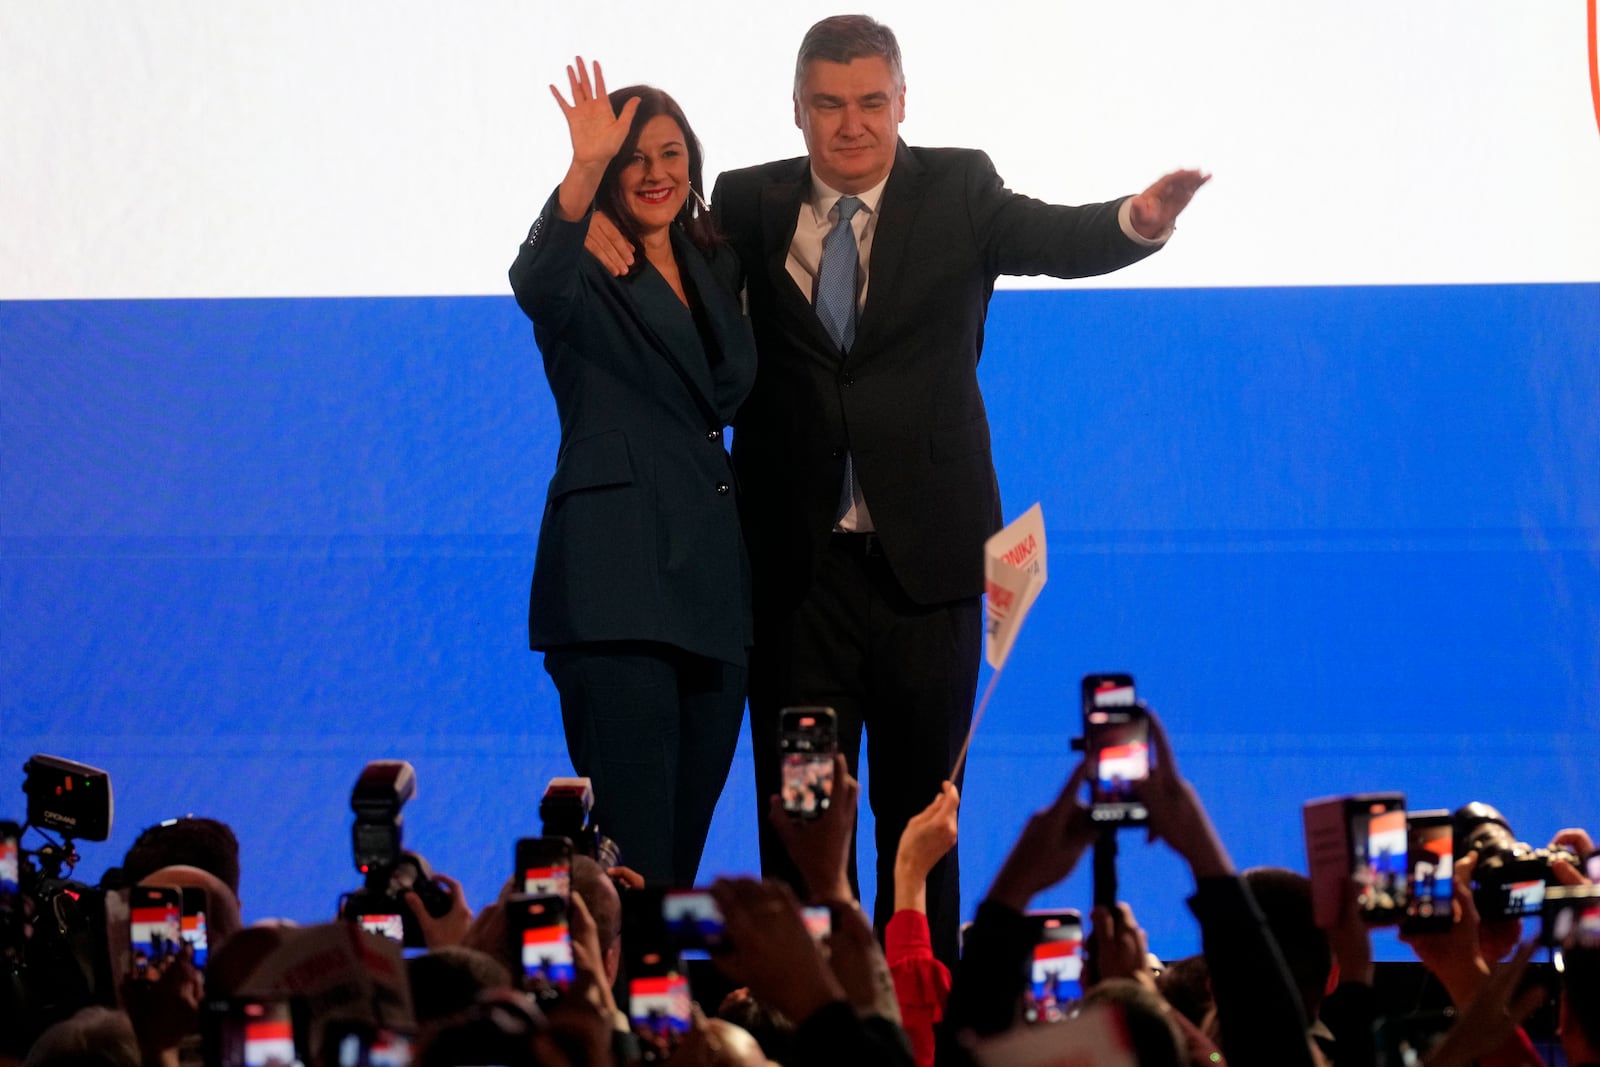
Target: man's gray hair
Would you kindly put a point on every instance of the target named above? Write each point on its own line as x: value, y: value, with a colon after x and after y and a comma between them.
x: 842, y: 38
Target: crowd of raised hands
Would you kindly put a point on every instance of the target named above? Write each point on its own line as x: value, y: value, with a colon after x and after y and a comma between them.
x: 1269, y: 986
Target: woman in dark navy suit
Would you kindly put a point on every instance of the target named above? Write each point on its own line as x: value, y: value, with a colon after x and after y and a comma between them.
x: 641, y: 589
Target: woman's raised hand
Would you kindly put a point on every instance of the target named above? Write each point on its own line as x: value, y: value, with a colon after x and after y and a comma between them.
x: 597, y: 132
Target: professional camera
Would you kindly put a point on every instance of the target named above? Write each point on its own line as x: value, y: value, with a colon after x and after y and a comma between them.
x: 53, y: 957
x: 1511, y: 876
x: 564, y: 810
x: 380, y: 792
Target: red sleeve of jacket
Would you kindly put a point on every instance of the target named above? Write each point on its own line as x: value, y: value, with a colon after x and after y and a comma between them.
x: 921, y: 983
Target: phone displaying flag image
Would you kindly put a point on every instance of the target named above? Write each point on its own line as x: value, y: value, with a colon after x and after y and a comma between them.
x: 659, y: 1005
x: 1055, y: 974
x: 391, y: 926
x: 542, y: 941
x: 1119, y: 767
x: 194, y: 935
x: 1111, y: 691
x: 1430, y: 853
x: 155, y: 925
x: 390, y: 1050
x: 10, y: 866
x: 551, y: 881
x: 269, y: 1042
x: 1379, y: 862
x: 1525, y: 897
x: 692, y: 919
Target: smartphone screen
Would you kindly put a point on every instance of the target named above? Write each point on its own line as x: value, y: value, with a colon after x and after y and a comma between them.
x: 1430, y: 855
x: 155, y: 925
x: 250, y: 1033
x: 269, y: 1036
x: 808, y: 740
x: 1055, y: 978
x: 390, y: 1050
x: 1524, y: 897
x: 355, y: 1045
x: 1101, y: 691
x: 1378, y: 843
x: 819, y: 921
x: 1117, y: 740
x: 1572, y: 917
x: 194, y: 923
x: 660, y: 1010
x: 391, y: 927
x: 544, y: 866
x: 542, y: 941
x: 692, y: 920
x: 10, y: 864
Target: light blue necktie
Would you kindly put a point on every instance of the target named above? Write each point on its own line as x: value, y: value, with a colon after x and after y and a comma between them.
x: 836, y: 307
x: 836, y: 280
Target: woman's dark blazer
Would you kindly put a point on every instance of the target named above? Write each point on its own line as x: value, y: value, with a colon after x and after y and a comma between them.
x: 640, y: 537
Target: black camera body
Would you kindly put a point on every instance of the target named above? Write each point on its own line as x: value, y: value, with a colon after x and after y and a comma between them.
x: 564, y: 809
x: 53, y: 954
x: 380, y: 792
x: 1511, y: 876
x: 73, y: 799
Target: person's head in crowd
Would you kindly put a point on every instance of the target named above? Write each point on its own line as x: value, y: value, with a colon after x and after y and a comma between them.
x: 229, y: 968
x: 1157, y: 1040
x: 599, y: 893
x: 94, y: 1037
x: 718, y: 1043
x: 772, y: 1030
x: 190, y: 841
x: 1284, y: 897
x: 849, y: 100
x: 1580, y: 1004
x: 660, y: 152
x: 222, y: 907
x: 1186, y: 985
x: 449, y: 980
x: 502, y: 1029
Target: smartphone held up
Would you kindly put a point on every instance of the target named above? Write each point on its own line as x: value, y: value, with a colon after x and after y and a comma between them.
x: 1116, y: 739
x: 808, y: 740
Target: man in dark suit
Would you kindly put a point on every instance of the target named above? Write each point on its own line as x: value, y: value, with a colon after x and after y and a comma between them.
x: 866, y: 484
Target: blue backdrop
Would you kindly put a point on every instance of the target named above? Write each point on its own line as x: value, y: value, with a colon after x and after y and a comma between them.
x: 1346, y: 538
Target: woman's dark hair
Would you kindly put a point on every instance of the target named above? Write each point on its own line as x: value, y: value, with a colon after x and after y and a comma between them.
x: 696, y: 223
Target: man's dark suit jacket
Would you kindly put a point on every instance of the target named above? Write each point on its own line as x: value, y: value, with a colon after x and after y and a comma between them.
x: 640, y: 538
x: 905, y: 401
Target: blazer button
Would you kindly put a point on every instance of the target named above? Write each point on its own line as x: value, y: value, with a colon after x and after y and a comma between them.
x: 722, y: 488
x: 846, y: 380
x: 713, y: 435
